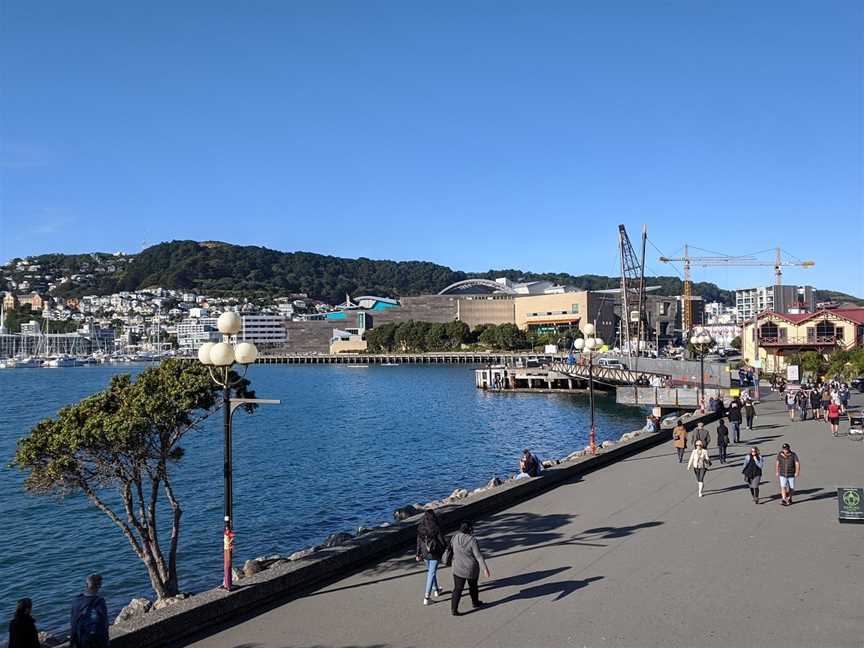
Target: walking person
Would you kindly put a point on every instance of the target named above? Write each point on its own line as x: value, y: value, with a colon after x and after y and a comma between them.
x: 735, y: 419
x: 89, y: 617
x: 834, y: 418
x: 824, y: 402
x: 749, y: 412
x: 722, y: 440
x: 464, y: 552
x: 679, y: 440
x: 431, y: 546
x: 699, y: 462
x: 788, y: 467
x: 815, y: 402
x: 790, y: 404
x: 22, y: 627
x: 753, y: 465
x: 802, y: 400
x: 701, y: 434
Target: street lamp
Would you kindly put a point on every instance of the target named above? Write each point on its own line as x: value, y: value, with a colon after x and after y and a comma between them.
x: 587, y: 345
x: 219, y: 358
x: 702, y: 343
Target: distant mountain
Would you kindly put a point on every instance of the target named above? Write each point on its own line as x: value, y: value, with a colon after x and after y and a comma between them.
x: 217, y: 268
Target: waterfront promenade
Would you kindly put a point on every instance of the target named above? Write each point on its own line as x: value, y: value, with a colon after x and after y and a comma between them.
x: 626, y: 556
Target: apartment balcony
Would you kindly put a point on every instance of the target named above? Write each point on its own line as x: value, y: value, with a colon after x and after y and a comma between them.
x: 802, y: 341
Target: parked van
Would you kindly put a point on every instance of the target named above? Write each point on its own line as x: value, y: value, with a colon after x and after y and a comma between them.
x: 611, y: 363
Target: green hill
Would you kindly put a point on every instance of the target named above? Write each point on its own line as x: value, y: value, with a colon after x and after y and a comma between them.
x: 221, y: 268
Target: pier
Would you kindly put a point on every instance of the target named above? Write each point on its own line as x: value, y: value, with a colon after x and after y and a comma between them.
x: 456, y: 357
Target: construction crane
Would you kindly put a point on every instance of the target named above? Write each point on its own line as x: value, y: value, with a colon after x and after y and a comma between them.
x: 728, y: 262
x: 632, y: 293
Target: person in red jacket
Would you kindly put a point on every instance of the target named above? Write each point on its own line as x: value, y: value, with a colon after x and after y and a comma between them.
x: 834, y: 417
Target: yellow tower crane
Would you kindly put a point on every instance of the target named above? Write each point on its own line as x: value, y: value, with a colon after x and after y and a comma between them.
x: 729, y: 262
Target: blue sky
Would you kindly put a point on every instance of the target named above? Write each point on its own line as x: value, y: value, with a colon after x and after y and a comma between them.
x: 473, y: 134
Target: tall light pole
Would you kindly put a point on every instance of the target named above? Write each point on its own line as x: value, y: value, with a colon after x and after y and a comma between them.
x: 587, y: 345
x: 702, y: 343
x: 220, y: 358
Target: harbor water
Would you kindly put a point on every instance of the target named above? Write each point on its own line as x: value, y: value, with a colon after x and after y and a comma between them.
x: 346, y: 447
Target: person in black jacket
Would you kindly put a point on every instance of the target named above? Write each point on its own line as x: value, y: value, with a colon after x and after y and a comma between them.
x: 735, y: 419
x: 89, y: 617
x: 722, y: 440
x: 431, y: 545
x: 22, y: 628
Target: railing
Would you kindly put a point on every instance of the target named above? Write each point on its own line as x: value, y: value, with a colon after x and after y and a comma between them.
x: 811, y: 340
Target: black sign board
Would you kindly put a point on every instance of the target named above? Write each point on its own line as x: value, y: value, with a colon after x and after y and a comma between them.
x: 850, y: 502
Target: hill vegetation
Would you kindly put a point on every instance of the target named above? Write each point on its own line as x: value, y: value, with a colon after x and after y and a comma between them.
x: 223, y: 269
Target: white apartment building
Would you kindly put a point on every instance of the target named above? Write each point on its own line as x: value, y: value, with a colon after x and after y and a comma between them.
x: 263, y: 330
x: 195, y: 331
x: 749, y: 302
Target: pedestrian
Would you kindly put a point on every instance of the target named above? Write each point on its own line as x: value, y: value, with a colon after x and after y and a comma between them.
x: 464, y: 552
x: 801, y: 401
x: 735, y: 419
x: 702, y: 434
x: 89, y: 617
x: 790, y: 404
x: 699, y: 462
x: 529, y: 465
x: 788, y: 467
x: 679, y: 440
x: 22, y: 627
x: 815, y: 402
x: 825, y: 401
x: 749, y: 412
x: 431, y: 546
x: 722, y: 440
x: 844, y: 398
x: 834, y: 418
x: 753, y: 465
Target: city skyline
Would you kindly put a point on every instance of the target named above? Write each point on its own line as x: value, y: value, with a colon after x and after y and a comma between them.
x: 473, y: 136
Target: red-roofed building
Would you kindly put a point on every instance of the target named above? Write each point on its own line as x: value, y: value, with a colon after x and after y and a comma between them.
x: 780, y: 335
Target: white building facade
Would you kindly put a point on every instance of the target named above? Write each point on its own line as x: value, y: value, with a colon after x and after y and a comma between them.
x: 264, y: 331
x: 195, y: 331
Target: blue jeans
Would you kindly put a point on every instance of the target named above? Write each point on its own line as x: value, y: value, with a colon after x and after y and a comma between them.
x: 736, y: 431
x: 431, y: 576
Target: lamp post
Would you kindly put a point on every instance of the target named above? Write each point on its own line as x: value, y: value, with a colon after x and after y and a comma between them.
x: 587, y: 345
x: 702, y: 343
x: 220, y: 358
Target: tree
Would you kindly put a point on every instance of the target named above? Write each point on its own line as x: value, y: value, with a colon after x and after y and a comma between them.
x: 736, y: 342
x: 127, y: 437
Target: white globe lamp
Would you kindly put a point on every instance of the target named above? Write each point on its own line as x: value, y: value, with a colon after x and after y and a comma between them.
x: 579, y: 344
x: 229, y: 323
x: 588, y: 330
x: 598, y: 342
x: 204, y: 353
x: 245, y: 353
x: 222, y: 355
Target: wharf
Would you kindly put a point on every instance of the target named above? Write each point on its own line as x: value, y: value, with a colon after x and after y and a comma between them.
x: 456, y: 357
x: 625, y: 556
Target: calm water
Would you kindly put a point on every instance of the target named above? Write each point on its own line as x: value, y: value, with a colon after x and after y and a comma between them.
x: 346, y: 447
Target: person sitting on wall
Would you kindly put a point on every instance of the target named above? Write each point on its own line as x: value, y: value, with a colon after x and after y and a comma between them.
x: 529, y: 465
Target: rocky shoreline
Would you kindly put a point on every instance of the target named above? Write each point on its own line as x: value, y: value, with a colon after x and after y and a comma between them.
x: 139, y: 607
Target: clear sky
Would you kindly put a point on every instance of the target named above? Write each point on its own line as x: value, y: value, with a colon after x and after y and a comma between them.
x: 473, y: 134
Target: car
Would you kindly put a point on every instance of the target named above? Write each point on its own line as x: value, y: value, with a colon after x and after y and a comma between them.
x: 858, y: 383
x: 611, y: 363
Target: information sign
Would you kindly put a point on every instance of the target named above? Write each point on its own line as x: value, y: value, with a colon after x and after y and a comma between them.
x: 792, y: 373
x: 850, y: 502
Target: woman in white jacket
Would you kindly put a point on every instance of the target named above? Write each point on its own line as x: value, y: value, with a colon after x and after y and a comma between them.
x: 699, y: 462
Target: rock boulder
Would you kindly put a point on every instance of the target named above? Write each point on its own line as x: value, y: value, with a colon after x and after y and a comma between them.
x: 336, y: 539
x: 459, y: 493
x: 297, y: 555
x: 137, y: 607
x: 252, y: 567
x: 405, y: 512
x: 158, y: 605
x: 494, y: 482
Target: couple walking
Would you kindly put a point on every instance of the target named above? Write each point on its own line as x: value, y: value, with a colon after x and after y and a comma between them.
x: 462, y: 550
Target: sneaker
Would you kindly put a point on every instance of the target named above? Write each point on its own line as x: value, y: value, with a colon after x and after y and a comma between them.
x: 455, y: 613
x: 477, y: 604
x: 425, y: 600
x: 436, y: 593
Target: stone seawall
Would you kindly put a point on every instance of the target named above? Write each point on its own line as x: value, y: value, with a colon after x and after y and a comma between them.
x: 285, y: 578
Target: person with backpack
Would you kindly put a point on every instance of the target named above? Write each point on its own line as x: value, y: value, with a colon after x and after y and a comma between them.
x: 753, y: 465
x: 22, y: 627
x: 431, y: 546
x: 89, y: 617
x: 464, y: 552
x: 735, y: 419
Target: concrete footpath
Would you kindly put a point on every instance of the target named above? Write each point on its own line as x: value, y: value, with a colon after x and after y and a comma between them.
x: 626, y: 556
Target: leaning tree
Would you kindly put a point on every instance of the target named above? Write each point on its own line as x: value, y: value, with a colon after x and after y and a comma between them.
x: 127, y: 438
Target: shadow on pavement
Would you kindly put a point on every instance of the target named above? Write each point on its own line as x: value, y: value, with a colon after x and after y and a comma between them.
x: 260, y: 645
x: 561, y: 588
x: 522, y: 579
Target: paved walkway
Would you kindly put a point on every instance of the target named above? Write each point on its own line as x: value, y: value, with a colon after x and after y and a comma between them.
x: 627, y: 556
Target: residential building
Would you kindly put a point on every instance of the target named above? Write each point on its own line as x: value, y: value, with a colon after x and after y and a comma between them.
x: 749, y: 302
x: 772, y: 337
x: 195, y: 331
x: 31, y: 328
x: 263, y: 330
